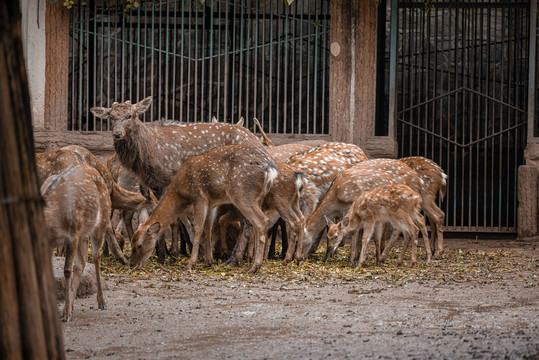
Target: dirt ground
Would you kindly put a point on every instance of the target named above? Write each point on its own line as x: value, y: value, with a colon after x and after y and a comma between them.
x: 481, y: 300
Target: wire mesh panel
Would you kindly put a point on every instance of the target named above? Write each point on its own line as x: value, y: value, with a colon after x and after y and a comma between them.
x: 462, y: 101
x: 198, y: 59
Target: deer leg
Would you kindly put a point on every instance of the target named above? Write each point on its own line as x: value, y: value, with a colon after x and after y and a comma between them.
x: 81, y: 255
x: 368, y: 232
x: 184, y: 238
x: 127, y: 217
x: 405, y: 244
x: 224, y: 221
x: 97, y: 243
x: 421, y: 224
x: 273, y: 232
x: 436, y: 218
x: 239, y: 248
x: 113, y: 244
x: 378, y: 235
x: 70, y: 250
x: 259, y: 221
x: 209, y: 230
x: 174, y: 249
x: 200, y: 212
x: 355, y: 247
x: 390, y: 243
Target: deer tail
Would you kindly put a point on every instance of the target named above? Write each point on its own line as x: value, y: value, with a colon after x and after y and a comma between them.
x: 270, y: 174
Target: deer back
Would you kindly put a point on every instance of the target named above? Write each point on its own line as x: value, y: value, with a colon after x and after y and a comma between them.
x: 282, y: 153
x: 431, y: 173
x: 55, y: 162
x: 77, y: 201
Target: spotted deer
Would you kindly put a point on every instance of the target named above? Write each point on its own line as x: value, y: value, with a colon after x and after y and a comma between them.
x: 321, y: 165
x: 349, y: 185
x: 77, y: 206
x: 282, y: 201
x: 240, y: 175
x: 155, y: 152
x: 56, y: 161
x: 434, y: 180
x: 395, y: 204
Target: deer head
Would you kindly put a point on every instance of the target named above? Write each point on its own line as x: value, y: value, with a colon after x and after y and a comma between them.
x: 143, y: 243
x: 336, y: 233
x: 122, y: 115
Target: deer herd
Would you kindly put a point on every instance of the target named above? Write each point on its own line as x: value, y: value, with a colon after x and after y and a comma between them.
x: 220, y: 189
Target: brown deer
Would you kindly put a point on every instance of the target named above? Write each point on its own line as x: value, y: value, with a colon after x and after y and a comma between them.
x: 347, y: 187
x: 435, y: 181
x: 78, y: 205
x: 282, y: 201
x: 321, y: 165
x: 394, y: 204
x: 154, y: 152
x: 240, y: 175
x: 56, y: 161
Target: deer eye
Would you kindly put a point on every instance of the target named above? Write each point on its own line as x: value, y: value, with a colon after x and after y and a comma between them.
x: 139, y: 246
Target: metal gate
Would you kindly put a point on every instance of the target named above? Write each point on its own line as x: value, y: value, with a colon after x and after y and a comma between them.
x: 198, y: 59
x: 462, y: 70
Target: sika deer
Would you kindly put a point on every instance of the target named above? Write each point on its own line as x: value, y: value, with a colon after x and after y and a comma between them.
x: 434, y: 180
x: 77, y: 206
x: 240, y: 175
x: 394, y: 204
x: 321, y: 165
x: 56, y: 161
x: 347, y: 187
x: 282, y: 201
x: 155, y: 152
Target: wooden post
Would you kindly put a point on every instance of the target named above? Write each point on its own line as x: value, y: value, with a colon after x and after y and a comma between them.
x: 340, y: 69
x: 57, y: 66
x: 29, y: 321
x: 364, y: 79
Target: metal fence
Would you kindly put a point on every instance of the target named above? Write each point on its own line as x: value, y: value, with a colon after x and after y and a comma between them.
x: 198, y: 59
x: 462, y: 85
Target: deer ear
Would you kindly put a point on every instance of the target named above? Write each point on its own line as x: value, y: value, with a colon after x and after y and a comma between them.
x: 328, y: 221
x: 345, y: 222
x: 143, y: 105
x: 240, y: 122
x: 214, y: 120
x: 154, y: 228
x: 100, y: 112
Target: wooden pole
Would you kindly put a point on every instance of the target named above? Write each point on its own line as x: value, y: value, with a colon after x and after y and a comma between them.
x: 29, y: 321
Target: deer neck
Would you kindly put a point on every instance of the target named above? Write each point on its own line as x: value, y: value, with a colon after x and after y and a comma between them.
x: 135, y: 152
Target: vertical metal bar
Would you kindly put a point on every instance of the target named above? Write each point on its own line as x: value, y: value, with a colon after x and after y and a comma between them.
x: 73, y: 73
x: 532, y: 68
x: 94, y: 70
x: 292, y: 60
x: 254, y: 22
x: 286, y: 62
x: 137, y: 57
x: 278, y: 61
x: 166, y: 81
x: 174, y: 57
x: 227, y: 60
x: 324, y: 63
x: 81, y: 64
x: 478, y: 84
x: 209, y: 34
x: 219, y: 47
x: 307, y: 41
x: 152, y: 50
x: 393, y: 70
x: 102, y: 66
x: 247, y: 52
x: 271, y: 63
x: 189, y: 117
x: 159, y: 79
x: 202, y: 62
x: 196, y: 59
x: 122, y: 59
x: 262, y: 74
x: 182, y: 116
x: 241, y: 64
x: 233, y: 77
x: 130, y: 57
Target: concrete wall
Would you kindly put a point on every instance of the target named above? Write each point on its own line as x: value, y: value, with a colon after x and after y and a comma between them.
x: 528, y: 193
x: 34, y: 47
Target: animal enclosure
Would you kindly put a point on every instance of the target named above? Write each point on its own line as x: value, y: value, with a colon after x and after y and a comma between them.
x: 250, y: 58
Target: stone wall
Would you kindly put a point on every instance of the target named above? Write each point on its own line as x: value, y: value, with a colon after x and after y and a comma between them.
x: 528, y: 194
